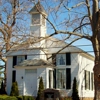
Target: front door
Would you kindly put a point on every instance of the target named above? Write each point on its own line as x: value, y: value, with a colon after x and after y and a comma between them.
x: 30, y: 82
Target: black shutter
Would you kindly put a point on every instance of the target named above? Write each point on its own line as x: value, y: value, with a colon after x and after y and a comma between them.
x: 85, y: 72
x: 14, y: 60
x: 25, y: 56
x: 13, y: 76
x: 54, y: 78
x: 54, y: 59
x: 49, y: 79
x: 68, y: 59
x: 68, y: 78
x: 89, y: 79
x: 92, y: 81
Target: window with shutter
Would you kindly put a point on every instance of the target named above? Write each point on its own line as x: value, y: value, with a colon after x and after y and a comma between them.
x: 63, y: 78
x: 18, y: 59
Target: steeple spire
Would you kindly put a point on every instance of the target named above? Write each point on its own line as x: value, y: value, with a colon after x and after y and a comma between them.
x: 40, y: 8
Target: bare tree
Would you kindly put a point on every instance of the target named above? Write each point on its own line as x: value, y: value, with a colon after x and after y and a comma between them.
x: 13, y: 27
x: 78, y: 19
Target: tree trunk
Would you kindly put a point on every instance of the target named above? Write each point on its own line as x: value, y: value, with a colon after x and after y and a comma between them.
x: 97, y: 81
x: 96, y: 47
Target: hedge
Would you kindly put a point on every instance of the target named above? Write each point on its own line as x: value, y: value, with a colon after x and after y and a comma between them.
x: 28, y: 98
x: 11, y: 98
x: 6, y: 97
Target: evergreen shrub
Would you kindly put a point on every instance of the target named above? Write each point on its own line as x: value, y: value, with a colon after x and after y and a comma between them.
x: 40, y: 89
x: 14, y: 89
x: 2, y: 89
x: 75, y: 95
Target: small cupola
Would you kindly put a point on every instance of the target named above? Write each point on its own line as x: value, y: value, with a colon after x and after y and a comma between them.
x: 38, y: 15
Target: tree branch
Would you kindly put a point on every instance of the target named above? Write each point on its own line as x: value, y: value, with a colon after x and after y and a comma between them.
x: 74, y: 33
x: 65, y: 47
x: 81, y: 26
x: 14, y: 13
x: 79, y: 4
x: 89, y: 11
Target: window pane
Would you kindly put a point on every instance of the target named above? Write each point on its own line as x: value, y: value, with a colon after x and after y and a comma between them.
x: 61, y: 78
x: 50, y: 78
x: 61, y: 59
x: 20, y: 59
x: 87, y: 79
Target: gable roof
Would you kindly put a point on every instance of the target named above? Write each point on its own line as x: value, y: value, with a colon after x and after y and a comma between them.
x: 52, y: 45
x: 38, y: 8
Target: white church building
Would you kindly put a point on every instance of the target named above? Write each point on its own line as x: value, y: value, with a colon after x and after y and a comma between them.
x: 30, y: 62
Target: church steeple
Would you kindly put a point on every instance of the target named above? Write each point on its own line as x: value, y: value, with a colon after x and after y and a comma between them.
x: 38, y: 14
x: 38, y: 21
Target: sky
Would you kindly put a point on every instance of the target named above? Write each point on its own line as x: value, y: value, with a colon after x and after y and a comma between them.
x: 65, y: 15
x: 59, y: 19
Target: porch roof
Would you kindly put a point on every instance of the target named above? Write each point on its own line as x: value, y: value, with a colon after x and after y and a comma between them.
x: 35, y: 62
